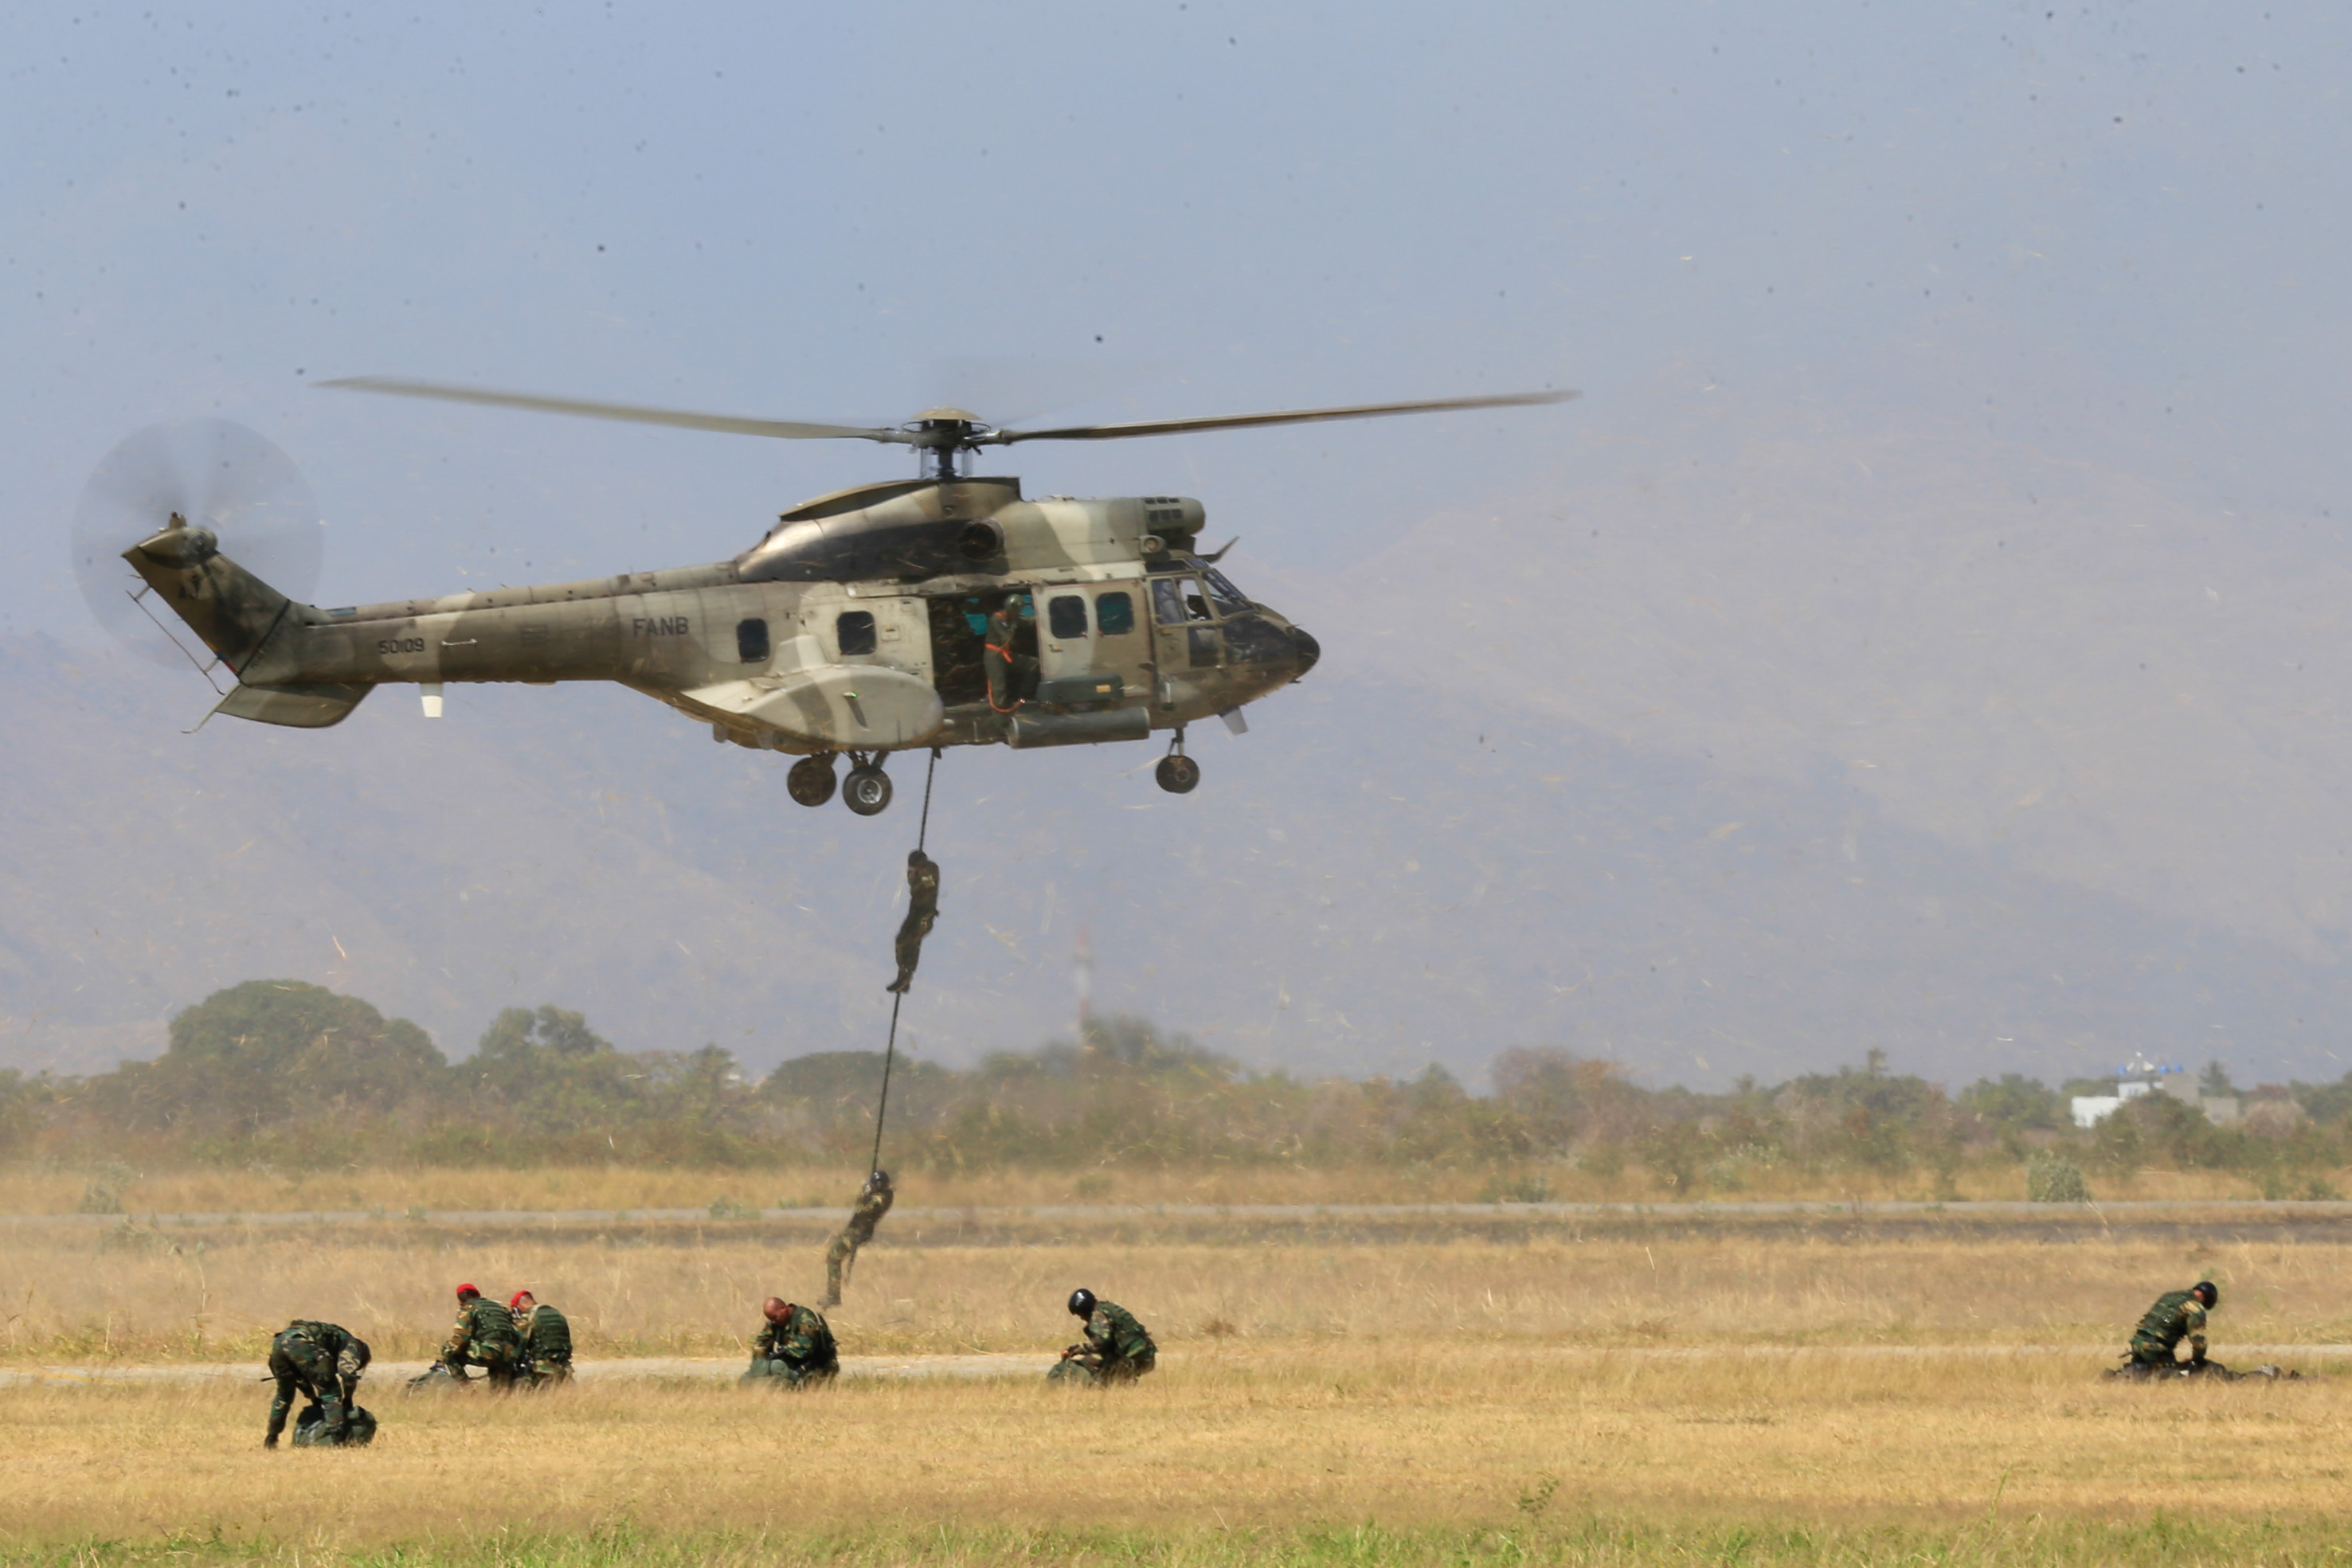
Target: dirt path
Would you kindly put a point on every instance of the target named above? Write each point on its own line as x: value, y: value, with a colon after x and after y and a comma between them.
x: 1196, y: 1213
x: 386, y: 1375
x: 1025, y: 1364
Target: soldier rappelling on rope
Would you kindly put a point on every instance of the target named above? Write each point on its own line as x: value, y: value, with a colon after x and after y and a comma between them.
x: 875, y: 1197
x: 922, y: 913
x: 874, y: 1200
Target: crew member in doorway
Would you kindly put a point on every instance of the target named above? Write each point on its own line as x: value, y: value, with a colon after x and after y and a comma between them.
x: 922, y: 913
x: 1005, y: 671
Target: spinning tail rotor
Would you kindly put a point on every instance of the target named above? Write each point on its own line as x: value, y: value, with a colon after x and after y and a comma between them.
x: 210, y: 474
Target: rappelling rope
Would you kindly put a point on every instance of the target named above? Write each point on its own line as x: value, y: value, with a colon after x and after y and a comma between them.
x: 923, y: 831
x: 898, y: 999
x: 888, y: 1052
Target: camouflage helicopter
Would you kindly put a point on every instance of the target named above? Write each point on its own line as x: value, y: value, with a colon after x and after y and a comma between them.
x: 943, y: 609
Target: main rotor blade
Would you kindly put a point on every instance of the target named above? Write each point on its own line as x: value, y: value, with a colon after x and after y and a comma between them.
x: 629, y: 414
x: 1294, y: 416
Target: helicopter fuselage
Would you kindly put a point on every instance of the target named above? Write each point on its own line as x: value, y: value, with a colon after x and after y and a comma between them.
x: 861, y: 623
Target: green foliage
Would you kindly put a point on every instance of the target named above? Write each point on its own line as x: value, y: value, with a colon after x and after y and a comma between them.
x: 2051, y: 1177
x: 2015, y: 1104
x: 22, y: 1101
x: 295, y: 1077
x: 273, y: 1053
x: 1868, y: 1118
x: 2325, y: 1102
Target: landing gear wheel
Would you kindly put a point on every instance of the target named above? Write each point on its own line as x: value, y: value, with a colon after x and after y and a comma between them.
x: 1177, y: 774
x: 867, y: 790
x: 810, y: 783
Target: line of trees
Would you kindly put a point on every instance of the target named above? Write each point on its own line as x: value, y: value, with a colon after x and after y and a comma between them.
x: 300, y: 1077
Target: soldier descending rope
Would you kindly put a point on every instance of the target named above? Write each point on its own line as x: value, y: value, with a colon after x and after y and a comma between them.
x: 875, y: 1197
x: 874, y: 1200
x: 922, y: 913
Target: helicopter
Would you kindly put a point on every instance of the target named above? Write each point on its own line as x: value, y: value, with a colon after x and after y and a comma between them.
x: 944, y: 610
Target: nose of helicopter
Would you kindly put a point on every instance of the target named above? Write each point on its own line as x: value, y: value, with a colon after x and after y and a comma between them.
x: 1308, y: 651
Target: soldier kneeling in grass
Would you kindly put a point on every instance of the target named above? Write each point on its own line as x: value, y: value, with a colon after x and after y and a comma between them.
x: 546, y: 1339
x: 1117, y: 1348
x: 796, y: 1347
x: 2177, y: 1315
x: 484, y: 1336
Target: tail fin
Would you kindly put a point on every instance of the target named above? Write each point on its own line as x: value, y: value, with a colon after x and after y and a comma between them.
x: 232, y: 611
x: 238, y: 616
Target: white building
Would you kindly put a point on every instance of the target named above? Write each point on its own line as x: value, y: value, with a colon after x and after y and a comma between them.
x: 2140, y: 1076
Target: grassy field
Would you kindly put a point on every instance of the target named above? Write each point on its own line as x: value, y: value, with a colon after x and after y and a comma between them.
x: 78, y: 1292
x: 1314, y: 1451
x: 1741, y: 1396
x: 31, y: 1190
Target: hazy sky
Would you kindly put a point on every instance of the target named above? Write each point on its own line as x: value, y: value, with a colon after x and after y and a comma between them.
x: 2112, y: 232
x: 2117, y: 215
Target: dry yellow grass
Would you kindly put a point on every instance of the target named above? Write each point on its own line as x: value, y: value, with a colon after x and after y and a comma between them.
x: 1272, y: 1436
x: 72, y: 1293
x: 1692, y: 1386
x: 29, y: 1190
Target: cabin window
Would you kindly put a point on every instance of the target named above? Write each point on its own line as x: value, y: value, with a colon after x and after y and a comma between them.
x: 854, y: 632
x: 1177, y: 599
x: 1229, y: 597
x: 1115, y: 614
x: 752, y: 642
x: 1066, y: 615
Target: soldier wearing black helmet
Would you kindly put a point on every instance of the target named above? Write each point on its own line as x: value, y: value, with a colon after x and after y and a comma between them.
x: 1116, y: 1349
x: 2177, y: 1315
x: 922, y: 913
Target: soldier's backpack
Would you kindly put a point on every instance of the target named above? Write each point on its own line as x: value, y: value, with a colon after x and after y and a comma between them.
x: 551, y: 1336
x: 310, y: 1428
x: 492, y: 1328
x: 437, y: 1377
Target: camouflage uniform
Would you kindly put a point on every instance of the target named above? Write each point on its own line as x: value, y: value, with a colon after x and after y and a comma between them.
x: 485, y: 1337
x: 874, y: 1200
x: 922, y: 913
x: 798, y: 1350
x: 547, y: 1345
x: 320, y: 1361
x: 1118, y: 1349
x: 2175, y: 1314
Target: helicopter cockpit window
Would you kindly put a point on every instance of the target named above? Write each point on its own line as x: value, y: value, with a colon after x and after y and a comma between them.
x: 1115, y: 614
x: 1177, y: 599
x: 855, y: 632
x: 1230, y: 599
x: 1066, y: 615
